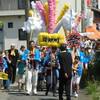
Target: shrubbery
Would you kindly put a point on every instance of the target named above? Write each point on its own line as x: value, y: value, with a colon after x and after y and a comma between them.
x: 93, y: 79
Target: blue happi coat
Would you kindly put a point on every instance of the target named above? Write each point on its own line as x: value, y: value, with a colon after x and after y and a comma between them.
x: 37, y: 57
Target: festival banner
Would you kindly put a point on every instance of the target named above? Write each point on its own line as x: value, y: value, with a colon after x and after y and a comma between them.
x: 46, y: 39
x: 73, y: 39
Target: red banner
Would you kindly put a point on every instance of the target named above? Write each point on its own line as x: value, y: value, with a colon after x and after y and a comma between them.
x: 74, y: 39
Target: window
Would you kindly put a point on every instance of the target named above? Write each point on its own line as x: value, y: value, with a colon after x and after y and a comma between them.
x: 22, y: 35
x: 21, y: 4
x: 1, y: 27
x: 96, y: 14
x: 10, y: 25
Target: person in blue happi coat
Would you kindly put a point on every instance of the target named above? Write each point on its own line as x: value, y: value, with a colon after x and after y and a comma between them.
x: 48, y: 65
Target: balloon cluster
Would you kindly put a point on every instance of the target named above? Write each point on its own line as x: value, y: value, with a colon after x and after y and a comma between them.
x: 42, y: 11
x: 52, y: 15
x: 46, y: 10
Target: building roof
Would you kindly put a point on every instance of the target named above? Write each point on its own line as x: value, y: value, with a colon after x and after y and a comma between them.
x: 96, y: 32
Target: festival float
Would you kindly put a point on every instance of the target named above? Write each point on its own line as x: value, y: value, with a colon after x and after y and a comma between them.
x: 44, y: 23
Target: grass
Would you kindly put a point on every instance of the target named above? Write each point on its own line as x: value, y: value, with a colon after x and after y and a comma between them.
x: 95, y: 96
x: 93, y: 90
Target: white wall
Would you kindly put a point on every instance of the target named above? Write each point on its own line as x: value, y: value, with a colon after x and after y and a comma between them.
x: 11, y: 34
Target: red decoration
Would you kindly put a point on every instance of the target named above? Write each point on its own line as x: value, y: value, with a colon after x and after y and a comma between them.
x: 74, y: 39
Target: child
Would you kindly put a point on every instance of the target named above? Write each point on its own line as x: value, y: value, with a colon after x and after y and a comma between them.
x: 51, y: 77
x: 21, y: 69
x: 77, y: 73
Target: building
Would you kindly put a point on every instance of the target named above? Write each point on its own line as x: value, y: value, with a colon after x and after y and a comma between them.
x: 96, y: 20
x: 13, y: 15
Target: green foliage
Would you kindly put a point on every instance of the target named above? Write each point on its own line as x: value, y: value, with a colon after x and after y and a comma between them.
x: 1, y: 23
x: 92, y: 87
x: 95, y: 96
x: 93, y: 79
x: 93, y: 90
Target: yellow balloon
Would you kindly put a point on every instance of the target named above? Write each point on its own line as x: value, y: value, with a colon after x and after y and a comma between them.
x: 31, y: 12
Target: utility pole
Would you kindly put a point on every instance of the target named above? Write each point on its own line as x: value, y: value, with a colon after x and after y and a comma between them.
x: 0, y: 4
x: 83, y: 11
x: 75, y: 5
x: 27, y: 8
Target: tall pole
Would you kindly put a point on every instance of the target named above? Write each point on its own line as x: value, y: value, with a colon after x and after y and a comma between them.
x: 0, y: 4
x: 9, y: 4
x: 27, y: 8
x: 75, y: 5
x: 83, y: 10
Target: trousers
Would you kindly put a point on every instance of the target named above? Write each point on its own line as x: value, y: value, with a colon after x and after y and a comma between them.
x: 32, y: 78
x: 52, y: 83
x: 67, y: 83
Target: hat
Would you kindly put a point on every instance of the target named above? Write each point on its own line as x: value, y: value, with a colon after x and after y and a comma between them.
x: 12, y: 44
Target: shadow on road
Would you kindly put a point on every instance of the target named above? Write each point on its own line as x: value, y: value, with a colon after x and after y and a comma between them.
x: 17, y: 94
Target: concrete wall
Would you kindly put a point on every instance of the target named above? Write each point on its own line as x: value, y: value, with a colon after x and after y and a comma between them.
x: 13, y: 4
x: 11, y: 34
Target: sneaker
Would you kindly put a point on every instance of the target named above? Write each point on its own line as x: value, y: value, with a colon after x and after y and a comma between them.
x: 54, y: 95
x: 28, y: 93
x: 76, y: 95
x: 35, y: 93
x: 46, y: 94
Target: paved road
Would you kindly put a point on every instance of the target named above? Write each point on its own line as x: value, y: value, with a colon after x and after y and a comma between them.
x: 14, y: 94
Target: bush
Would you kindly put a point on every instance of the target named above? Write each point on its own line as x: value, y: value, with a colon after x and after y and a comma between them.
x: 95, y: 96
x: 92, y: 87
x: 93, y: 90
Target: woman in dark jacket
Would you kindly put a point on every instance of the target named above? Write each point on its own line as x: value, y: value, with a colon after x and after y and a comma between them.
x: 8, y: 71
x: 13, y: 54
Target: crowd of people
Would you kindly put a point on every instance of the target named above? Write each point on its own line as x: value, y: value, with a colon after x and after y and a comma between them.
x: 61, y: 67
